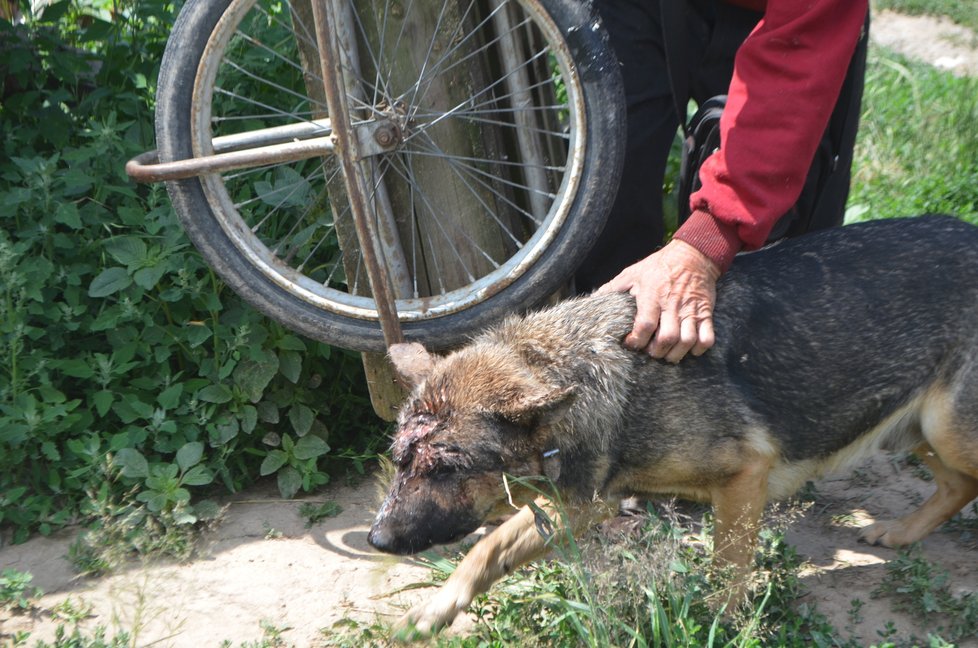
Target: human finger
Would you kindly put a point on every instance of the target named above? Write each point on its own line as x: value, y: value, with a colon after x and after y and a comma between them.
x: 705, y: 336
x: 621, y: 282
x: 666, y: 335
x: 646, y: 322
x: 687, y: 340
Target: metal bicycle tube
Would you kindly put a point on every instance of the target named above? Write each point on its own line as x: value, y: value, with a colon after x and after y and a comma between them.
x: 325, y: 15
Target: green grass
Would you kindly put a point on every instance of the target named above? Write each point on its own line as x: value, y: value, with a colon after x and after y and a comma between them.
x: 963, y: 12
x: 917, y: 144
x: 654, y: 590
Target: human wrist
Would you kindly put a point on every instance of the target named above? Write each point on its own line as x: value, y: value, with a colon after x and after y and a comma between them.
x: 717, y: 241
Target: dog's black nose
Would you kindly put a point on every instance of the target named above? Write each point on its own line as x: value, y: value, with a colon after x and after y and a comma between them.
x: 381, y: 539
x: 387, y: 538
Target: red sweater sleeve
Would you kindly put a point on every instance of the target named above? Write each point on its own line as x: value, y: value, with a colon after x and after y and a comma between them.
x: 787, y: 77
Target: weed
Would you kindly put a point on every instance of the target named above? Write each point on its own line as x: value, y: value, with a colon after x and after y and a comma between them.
x: 855, y: 612
x: 915, y: 151
x: 654, y: 589
x: 78, y: 638
x: 16, y: 592
x: 71, y: 611
x: 316, y: 513
x: 271, y: 638
x: 271, y: 533
x: 919, y: 586
x: 121, y: 528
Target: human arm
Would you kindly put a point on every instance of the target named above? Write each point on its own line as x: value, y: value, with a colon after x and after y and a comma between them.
x: 787, y: 78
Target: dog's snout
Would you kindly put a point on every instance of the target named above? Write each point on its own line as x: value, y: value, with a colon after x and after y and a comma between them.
x: 380, y: 539
x: 383, y: 538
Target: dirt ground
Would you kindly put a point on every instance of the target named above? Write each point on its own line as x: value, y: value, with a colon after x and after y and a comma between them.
x: 262, y: 563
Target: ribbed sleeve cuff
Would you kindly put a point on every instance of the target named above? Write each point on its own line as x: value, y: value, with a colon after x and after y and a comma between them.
x: 718, y: 241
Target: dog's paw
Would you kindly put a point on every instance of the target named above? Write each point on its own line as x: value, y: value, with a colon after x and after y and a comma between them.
x: 427, y: 618
x: 886, y: 533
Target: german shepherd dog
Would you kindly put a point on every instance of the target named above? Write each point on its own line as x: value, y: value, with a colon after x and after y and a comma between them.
x: 828, y: 347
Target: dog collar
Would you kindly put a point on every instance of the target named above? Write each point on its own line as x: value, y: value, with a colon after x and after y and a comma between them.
x: 551, y: 464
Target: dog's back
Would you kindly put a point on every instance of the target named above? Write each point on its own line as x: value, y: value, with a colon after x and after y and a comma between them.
x: 821, y: 341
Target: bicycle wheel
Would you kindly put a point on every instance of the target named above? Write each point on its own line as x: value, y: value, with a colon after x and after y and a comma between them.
x: 494, y: 130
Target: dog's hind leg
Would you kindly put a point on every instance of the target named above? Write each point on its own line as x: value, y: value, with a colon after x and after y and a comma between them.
x: 514, y: 543
x: 954, y: 490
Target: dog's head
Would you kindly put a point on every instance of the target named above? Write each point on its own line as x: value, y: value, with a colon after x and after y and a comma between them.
x: 471, y: 418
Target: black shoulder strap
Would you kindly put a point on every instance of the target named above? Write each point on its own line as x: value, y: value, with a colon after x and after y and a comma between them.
x: 674, y: 42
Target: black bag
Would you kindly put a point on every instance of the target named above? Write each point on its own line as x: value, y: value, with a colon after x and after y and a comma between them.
x: 702, y: 139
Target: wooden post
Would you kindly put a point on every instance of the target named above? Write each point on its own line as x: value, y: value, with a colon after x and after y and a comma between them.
x: 437, y: 266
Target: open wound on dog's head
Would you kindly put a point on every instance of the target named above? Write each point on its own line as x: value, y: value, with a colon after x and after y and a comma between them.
x: 416, y: 451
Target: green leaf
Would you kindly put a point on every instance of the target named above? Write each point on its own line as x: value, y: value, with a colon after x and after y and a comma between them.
x: 196, y: 334
x: 109, y: 281
x: 301, y: 418
x: 184, y: 516
x: 14, y: 494
x: 215, y: 394
x: 50, y: 451
x: 290, y: 364
x: 290, y: 189
x: 291, y: 343
x: 132, y: 463
x: 155, y: 500
x: 170, y: 397
x: 148, y: 277
x: 273, y: 461
x: 189, y: 455
x: 127, y: 250
x: 207, y: 509
x: 227, y: 428
x: 252, y: 376
x: 289, y: 482
x: 309, y: 447
x: 77, y: 368
x: 249, y: 419
x: 267, y: 412
x: 198, y: 476
x: 130, y: 409
x: 55, y: 11
x: 67, y: 214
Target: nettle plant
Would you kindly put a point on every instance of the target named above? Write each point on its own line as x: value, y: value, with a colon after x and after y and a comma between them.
x: 123, y: 359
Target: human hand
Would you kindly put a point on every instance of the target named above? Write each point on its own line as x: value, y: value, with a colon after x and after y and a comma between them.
x: 675, y: 291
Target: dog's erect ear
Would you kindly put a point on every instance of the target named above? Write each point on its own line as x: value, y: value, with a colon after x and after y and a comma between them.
x: 544, y: 406
x: 412, y: 361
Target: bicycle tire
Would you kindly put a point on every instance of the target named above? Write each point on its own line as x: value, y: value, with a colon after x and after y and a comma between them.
x: 217, y: 226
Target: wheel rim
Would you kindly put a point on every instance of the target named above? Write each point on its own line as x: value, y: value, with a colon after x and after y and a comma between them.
x: 279, y: 216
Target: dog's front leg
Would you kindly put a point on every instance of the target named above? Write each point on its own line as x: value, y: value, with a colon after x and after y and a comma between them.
x: 738, y: 506
x: 514, y: 543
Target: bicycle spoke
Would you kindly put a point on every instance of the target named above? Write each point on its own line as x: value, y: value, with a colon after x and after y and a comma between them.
x: 486, y: 185
x: 440, y: 222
